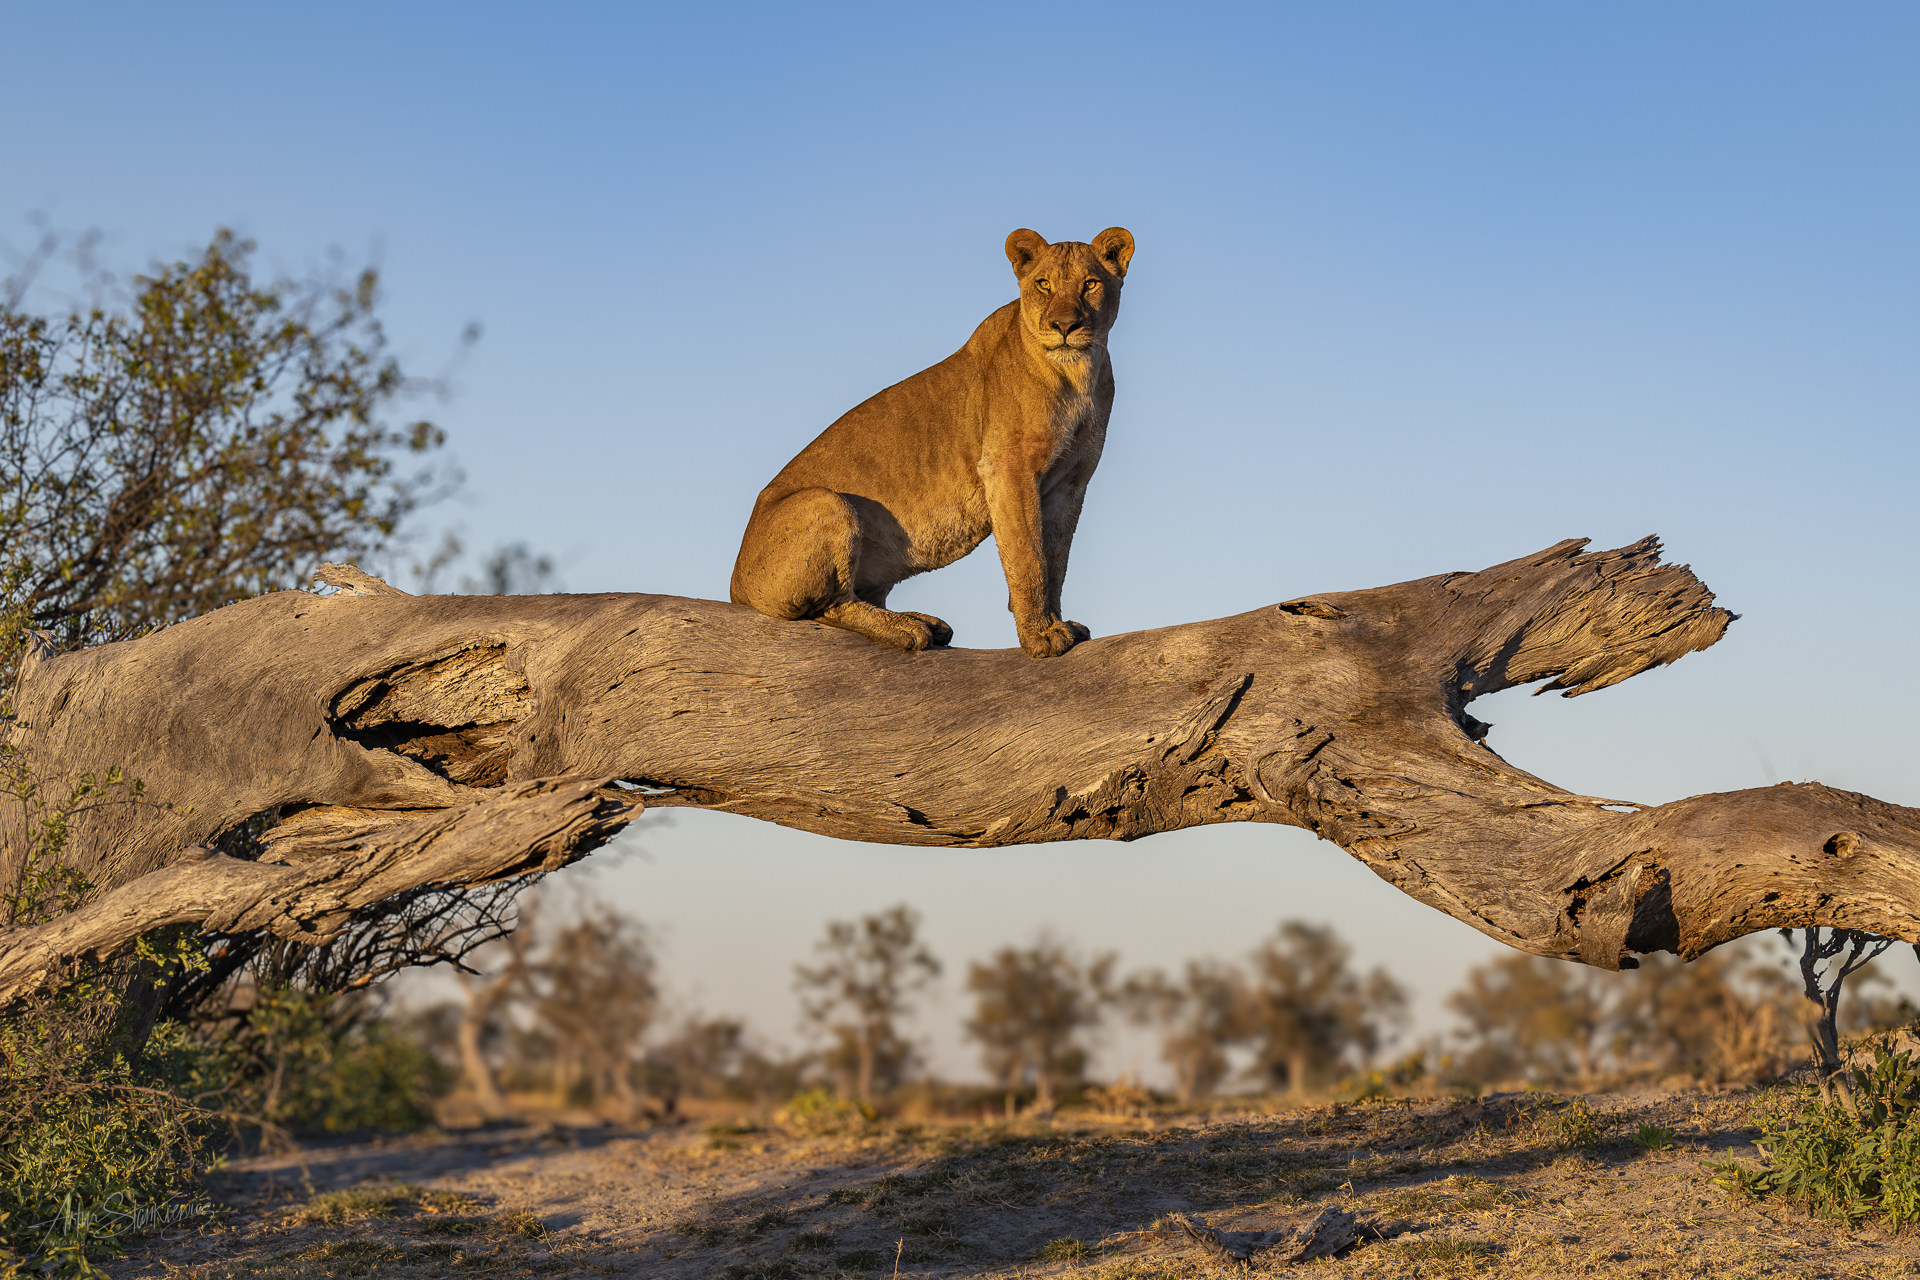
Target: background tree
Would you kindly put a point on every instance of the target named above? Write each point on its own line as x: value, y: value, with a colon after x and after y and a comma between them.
x: 1200, y: 1017
x: 514, y: 569
x: 716, y: 1057
x: 1531, y: 1017
x: 487, y: 995
x: 860, y: 989
x: 1032, y: 1009
x: 1734, y: 1015
x: 212, y: 441
x: 1827, y: 959
x: 1306, y: 1010
x: 700, y: 1060
x: 209, y: 439
x: 1726, y: 1016
x: 591, y: 990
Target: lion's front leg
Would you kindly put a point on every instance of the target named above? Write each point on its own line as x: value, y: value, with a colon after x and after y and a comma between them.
x: 1014, y: 503
x: 1059, y: 517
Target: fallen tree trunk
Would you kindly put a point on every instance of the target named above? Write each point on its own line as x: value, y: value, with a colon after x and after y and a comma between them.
x: 365, y: 724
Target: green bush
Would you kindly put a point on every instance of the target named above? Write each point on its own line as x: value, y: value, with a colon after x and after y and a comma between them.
x: 1570, y: 1124
x: 1842, y: 1162
x: 92, y: 1147
x: 822, y: 1111
x: 306, y: 1075
x: 96, y: 1139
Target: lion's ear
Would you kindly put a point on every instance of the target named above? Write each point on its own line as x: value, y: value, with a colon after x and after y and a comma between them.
x: 1114, y: 246
x: 1023, y: 250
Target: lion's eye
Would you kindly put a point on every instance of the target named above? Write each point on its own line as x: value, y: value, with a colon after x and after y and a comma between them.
x: 1089, y: 286
x: 1043, y: 286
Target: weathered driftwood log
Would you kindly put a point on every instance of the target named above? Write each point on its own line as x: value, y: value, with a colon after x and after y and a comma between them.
x: 363, y: 724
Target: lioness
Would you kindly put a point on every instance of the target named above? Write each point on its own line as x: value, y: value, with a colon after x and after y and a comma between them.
x: 999, y: 438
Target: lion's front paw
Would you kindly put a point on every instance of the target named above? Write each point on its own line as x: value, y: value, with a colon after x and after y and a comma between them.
x: 1055, y: 639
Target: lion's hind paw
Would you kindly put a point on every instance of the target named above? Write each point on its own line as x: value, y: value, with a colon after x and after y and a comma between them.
x: 939, y: 634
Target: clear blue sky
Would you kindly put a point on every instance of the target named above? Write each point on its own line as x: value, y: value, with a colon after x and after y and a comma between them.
x: 1419, y: 287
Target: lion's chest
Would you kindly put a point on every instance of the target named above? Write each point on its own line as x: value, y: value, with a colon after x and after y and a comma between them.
x: 1057, y: 454
x: 965, y: 526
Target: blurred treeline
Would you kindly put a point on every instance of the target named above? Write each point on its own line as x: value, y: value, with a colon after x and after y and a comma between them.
x: 571, y: 1017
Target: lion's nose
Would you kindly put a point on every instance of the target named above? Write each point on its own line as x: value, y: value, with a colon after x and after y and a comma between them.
x: 1066, y: 326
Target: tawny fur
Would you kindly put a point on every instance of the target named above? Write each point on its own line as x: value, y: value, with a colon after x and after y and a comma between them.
x: 999, y: 438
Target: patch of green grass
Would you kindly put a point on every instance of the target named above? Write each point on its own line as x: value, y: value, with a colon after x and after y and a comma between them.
x: 821, y: 1111
x: 352, y: 1257
x: 724, y: 1135
x: 1576, y: 1126
x: 1446, y: 1250
x: 452, y: 1226
x: 330, y: 1208
x: 449, y: 1202
x: 724, y: 1128
x: 1065, y: 1249
x: 882, y: 1192
x: 811, y: 1242
x: 1651, y: 1137
x: 1410, y: 1202
x: 1304, y: 1184
x: 1477, y: 1195
x: 1462, y: 1193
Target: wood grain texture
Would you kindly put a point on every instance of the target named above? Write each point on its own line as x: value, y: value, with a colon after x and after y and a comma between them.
x: 359, y: 715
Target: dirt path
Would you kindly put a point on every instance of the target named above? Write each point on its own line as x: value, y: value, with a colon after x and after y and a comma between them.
x: 1490, y: 1187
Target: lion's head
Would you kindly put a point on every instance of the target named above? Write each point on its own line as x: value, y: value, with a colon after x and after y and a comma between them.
x: 1070, y: 292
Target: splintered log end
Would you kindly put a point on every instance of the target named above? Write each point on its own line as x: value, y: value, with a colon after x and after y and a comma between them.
x: 1582, y: 622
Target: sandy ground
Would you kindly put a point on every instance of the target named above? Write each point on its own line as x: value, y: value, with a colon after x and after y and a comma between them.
x: 1447, y: 1187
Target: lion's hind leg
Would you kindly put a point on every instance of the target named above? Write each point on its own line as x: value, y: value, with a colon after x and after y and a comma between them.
x: 800, y: 560
x: 797, y: 558
x: 909, y: 631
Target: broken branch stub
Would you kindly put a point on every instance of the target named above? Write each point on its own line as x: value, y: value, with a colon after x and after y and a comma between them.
x: 357, y: 716
x: 531, y: 826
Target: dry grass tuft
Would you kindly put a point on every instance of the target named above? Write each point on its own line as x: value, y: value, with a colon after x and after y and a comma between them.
x: 522, y: 1222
